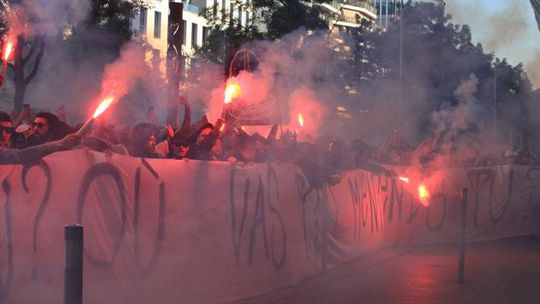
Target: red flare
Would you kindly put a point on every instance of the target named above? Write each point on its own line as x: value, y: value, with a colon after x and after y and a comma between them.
x: 232, y: 91
x: 404, y: 179
x: 423, y: 195
x: 8, y: 49
x: 301, y: 119
x: 105, y: 103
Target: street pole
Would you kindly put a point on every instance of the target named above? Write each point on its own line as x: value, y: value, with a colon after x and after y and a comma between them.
x: 386, y: 17
x: 400, y: 86
x: 175, y: 60
x: 73, y: 264
x: 494, y: 107
x: 462, y: 239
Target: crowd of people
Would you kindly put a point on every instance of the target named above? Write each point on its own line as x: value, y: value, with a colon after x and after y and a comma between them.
x: 225, y: 140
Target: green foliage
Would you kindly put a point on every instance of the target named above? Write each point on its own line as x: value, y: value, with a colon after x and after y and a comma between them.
x: 106, y: 28
x: 284, y: 16
x: 273, y: 19
x: 437, y: 56
x: 423, y: 53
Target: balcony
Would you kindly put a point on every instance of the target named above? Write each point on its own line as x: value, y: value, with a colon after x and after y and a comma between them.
x: 360, y: 5
x: 350, y: 20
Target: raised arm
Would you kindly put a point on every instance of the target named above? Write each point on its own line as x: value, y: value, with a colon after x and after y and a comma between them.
x: 30, y: 154
x: 186, y: 124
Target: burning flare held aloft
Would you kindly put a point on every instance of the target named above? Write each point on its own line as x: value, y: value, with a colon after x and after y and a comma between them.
x: 232, y: 91
x: 423, y: 194
x: 105, y: 103
x: 422, y: 190
x: 404, y: 179
x: 7, y: 52
x: 301, y: 120
x: 8, y: 49
x: 102, y: 107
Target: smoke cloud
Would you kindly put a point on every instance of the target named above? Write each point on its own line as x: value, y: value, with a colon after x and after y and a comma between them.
x: 45, y: 17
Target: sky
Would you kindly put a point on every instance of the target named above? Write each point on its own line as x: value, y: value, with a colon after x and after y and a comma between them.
x: 506, y: 27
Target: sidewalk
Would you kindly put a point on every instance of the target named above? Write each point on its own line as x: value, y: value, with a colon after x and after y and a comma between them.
x: 505, y: 271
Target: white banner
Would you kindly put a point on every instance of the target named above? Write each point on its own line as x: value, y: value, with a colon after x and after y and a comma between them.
x: 173, y: 231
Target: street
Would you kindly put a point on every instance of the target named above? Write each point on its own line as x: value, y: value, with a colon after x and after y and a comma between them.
x: 505, y: 271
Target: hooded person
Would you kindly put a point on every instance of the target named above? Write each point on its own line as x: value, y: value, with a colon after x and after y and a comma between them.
x: 203, y: 140
x: 143, y: 141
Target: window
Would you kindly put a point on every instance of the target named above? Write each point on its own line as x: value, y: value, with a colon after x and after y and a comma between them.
x: 204, y: 33
x: 142, y: 20
x: 223, y: 4
x: 157, y: 25
x: 247, y: 18
x: 193, y: 35
x: 240, y: 14
x: 184, y: 32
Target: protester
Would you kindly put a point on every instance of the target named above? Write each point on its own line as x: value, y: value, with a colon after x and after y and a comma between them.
x: 99, y: 140
x: 143, y: 141
x: 229, y: 141
x: 6, y: 130
x: 204, y: 139
x: 525, y: 158
x: 47, y: 127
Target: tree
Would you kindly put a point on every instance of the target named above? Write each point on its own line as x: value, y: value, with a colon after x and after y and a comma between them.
x: 107, y: 26
x: 226, y: 34
x: 33, y: 49
x: 271, y: 20
x: 437, y: 56
x: 284, y: 16
x: 28, y: 52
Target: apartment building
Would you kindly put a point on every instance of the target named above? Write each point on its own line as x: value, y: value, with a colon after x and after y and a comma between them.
x: 345, y: 14
x: 152, y: 25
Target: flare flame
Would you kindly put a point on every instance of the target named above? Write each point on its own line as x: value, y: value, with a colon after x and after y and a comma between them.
x: 8, y: 50
x: 404, y: 179
x: 232, y: 91
x: 301, y: 119
x: 105, y: 103
x: 423, y: 195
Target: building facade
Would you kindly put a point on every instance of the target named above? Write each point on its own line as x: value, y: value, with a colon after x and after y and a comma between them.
x: 152, y: 25
x: 346, y: 14
x: 536, y: 8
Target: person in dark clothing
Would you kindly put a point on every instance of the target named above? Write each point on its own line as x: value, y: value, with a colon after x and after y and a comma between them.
x: 6, y: 130
x: 47, y: 127
x: 205, y: 139
x: 181, y: 146
x: 143, y: 141
x: 30, y: 154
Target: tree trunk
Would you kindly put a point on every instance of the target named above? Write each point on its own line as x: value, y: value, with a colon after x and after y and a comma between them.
x: 20, y: 92
x: 18, y: 77
x: 21, y: 80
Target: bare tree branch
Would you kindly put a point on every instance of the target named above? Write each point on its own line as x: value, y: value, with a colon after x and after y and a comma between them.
x: 30, y: 52
x: 36, y: 62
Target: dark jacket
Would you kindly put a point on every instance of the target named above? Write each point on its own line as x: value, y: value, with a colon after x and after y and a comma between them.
x: 27, y: 155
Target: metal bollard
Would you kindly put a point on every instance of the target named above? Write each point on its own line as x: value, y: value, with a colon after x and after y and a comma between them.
x: 73, y: 264
x: 462, y: 239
